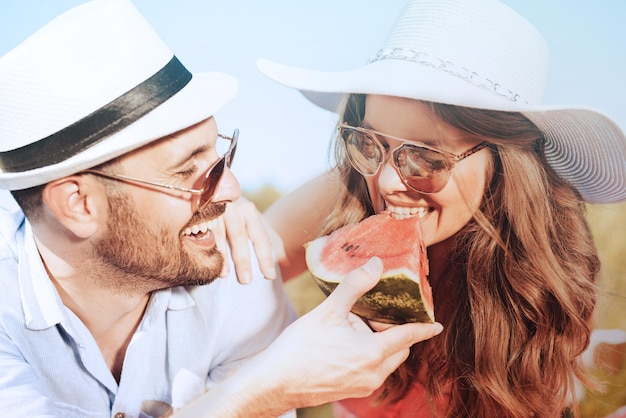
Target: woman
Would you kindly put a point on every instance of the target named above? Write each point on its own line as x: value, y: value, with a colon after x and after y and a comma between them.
x: 499, y: 183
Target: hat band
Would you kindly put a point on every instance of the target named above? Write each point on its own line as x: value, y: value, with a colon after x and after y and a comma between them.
x: 407, y: 54
x: 105, y: 121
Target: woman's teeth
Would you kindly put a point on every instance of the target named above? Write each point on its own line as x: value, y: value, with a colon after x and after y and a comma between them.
x: 200, y: 228
x: 404, y: 212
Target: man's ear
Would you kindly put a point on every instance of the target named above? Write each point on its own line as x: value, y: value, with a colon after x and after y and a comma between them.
x: 77, y: 203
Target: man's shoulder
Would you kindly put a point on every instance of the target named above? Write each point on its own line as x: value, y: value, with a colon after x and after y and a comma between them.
x: 10, y: 299
x: 11, y: 226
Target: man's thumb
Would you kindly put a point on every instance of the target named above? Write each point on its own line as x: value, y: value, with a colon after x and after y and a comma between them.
x: 356, y: 283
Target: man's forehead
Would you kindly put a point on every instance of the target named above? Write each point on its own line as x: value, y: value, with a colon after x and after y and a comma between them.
x: 180, y: 144
x: 206, y: 130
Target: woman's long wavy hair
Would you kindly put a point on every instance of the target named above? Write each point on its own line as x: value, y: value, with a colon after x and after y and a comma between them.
x: 518, y: 296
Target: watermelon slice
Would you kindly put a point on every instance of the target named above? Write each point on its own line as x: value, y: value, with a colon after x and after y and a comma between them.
x: 403, y: 293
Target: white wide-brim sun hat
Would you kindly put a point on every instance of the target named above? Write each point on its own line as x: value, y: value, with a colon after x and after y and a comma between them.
x: 91, y: 85
x: 481, y: 54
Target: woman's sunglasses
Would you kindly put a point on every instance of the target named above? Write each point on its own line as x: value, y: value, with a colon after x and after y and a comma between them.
x: 424, y: 169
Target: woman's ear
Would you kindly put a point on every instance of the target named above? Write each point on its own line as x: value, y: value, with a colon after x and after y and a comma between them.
x: 77, y: 203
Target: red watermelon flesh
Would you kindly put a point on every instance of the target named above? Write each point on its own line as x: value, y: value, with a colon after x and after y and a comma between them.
x: 403, y: 293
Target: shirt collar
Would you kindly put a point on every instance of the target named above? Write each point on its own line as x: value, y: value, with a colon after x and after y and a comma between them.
x: 41, y: 302
x: 176, y: 298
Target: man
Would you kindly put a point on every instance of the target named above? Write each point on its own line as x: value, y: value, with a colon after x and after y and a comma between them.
x: 109, y: 302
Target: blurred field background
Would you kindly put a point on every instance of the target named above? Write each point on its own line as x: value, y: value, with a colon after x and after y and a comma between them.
x: 608, y: 223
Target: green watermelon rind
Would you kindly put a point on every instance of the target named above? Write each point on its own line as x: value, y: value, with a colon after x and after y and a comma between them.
x: 396, y: 299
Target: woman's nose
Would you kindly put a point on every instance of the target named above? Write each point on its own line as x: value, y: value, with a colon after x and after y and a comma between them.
x: 389, y: 180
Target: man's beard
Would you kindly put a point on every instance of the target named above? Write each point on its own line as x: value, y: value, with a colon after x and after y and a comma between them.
x: 147, y: 261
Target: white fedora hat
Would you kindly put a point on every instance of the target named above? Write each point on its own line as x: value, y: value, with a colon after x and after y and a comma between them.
x: 481, y: 54
x: 91, y: 85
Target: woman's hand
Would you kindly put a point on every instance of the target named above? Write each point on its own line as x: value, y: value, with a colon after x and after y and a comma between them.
x: 244, y: 223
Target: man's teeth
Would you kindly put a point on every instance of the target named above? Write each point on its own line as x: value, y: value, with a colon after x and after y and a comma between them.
x: 404, y: 212
x: 203, y: 227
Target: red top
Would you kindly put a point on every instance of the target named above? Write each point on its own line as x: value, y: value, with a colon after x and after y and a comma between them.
x: 413, y: 405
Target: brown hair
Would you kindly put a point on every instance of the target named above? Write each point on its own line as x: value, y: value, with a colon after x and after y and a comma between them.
x: 517, y: 298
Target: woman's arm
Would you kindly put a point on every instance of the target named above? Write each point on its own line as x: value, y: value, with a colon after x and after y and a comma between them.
x: 299, y: 216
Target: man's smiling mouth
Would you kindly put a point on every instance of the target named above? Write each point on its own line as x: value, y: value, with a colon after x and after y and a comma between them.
x: 200, y: 229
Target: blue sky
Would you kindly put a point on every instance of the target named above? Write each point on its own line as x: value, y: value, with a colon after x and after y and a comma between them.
x: 284, y: 139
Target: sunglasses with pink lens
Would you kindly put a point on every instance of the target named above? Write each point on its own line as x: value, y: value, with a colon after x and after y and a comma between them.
x: 210, y: 182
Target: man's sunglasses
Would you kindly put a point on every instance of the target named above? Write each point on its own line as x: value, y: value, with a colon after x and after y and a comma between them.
x: 211, y: 180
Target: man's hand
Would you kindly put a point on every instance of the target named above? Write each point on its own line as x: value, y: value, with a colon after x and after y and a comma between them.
x: 331, y: 354
x: 326, y: 355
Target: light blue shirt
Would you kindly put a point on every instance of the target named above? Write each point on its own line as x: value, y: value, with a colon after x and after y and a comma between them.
x: 188, y: 340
